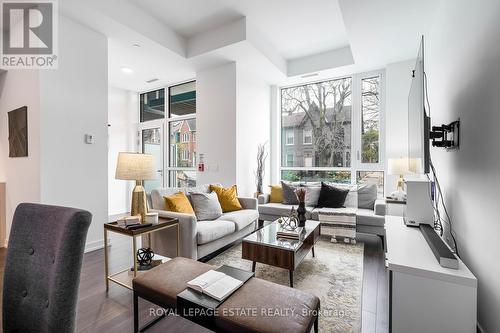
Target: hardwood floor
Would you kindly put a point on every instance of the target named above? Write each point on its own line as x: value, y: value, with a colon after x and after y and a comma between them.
x: 112, y: 312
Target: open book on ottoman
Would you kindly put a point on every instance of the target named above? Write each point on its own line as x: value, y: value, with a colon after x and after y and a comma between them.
x: 215, y: 284
x: 338, y: 223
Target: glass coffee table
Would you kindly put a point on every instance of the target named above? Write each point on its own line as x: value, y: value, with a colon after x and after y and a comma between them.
x: 264, y: 247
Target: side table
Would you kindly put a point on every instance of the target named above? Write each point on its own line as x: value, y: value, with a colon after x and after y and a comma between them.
x: 395, y: 207
x: 123, y: 277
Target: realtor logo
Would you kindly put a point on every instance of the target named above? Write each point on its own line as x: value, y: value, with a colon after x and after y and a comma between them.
x: 29, y: 34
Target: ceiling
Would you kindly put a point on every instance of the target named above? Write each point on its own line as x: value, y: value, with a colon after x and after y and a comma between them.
x: 278, y: 40
x: 296, y: 28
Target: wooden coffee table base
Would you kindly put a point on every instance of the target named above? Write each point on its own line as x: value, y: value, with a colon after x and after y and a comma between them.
x: 279, y: 256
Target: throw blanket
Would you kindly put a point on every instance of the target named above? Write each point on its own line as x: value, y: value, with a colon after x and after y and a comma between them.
x: 338, y: 222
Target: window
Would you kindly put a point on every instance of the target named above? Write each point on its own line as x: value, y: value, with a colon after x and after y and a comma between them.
x: 289, y: 137
x: 372, y: 177
x: 325, y: 107
x: 370, y: 119
x: 339, y: 121
x: 182, y: 135
x: 152, y: 105
x: 307, y: 137
x: 308, y: 161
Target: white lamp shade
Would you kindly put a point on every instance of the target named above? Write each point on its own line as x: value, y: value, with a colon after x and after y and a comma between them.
x: 134, y: 166
x: 398, y: 166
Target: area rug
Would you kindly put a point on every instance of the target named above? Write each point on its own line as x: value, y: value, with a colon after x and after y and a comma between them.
x: 335, y: 275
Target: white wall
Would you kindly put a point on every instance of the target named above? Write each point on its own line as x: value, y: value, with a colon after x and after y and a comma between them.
x: 463, y: 69
x: 216, y: 123
x: 398, y: 81
x: 74, y: 102
x: 22, y: 174
x: 252, y: 129
x: 122, y: 107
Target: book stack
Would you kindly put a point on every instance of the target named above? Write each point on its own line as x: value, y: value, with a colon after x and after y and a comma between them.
x: 128, y: 221
x: 289, y: 234
x: 338, y: 223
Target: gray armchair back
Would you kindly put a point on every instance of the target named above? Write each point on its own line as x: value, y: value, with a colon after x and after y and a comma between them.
x: 42, y: 269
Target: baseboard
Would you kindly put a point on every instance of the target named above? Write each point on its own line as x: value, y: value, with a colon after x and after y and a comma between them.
x: 95, y: 245
x: 479, y: 328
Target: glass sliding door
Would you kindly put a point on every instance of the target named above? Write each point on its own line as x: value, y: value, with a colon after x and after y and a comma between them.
x: 152, y: 143
x: 182, y: 135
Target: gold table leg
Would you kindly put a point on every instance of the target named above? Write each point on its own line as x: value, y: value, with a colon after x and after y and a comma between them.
x: 135, y: 255
x: 106, y: 269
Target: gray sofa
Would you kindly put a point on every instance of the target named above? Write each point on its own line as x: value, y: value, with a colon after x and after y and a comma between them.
x: 200, y: 238
x: 370, y: 221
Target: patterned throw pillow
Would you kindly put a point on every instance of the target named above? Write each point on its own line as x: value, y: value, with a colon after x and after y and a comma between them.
x: 289, y: 197
x: 206, y: 206
x: 228, y: 198
x: 178, y: 203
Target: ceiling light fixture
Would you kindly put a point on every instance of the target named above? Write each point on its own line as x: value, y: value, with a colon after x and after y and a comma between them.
x: 136, y: 45
x: 127, y: 70
x: 152, y: 80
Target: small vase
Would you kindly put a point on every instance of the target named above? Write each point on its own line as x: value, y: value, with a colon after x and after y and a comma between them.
x: 301, y: 214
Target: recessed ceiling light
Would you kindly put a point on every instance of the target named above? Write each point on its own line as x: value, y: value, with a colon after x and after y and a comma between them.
x: 136, y: 45
x: 127, y: 70
x: 152, y: 80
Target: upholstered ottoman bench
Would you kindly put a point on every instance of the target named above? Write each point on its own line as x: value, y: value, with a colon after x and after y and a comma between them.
x: 257, y: 306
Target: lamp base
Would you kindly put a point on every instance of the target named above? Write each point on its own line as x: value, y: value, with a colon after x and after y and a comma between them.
x: 139, y: 205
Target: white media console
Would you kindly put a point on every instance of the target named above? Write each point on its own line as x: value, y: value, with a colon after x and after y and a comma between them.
x: 423, y: 296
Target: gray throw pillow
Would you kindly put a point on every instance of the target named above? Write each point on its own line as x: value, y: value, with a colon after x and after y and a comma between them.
x: 206, y: 206
x: 289, y: 197
x: 367, y: 194
x: 312, y: 195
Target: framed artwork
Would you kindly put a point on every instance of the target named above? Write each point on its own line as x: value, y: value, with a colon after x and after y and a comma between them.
x: 18, y: 132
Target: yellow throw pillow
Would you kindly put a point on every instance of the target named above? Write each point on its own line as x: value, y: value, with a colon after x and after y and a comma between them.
x: 178, y: 203
x: 276, y: 195
x: 228, y: 198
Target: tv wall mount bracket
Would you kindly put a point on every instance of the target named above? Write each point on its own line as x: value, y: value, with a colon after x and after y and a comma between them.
x: 446, y: 136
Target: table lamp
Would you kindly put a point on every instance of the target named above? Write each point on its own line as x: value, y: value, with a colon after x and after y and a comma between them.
x: 138, y: 167
x: 398, y: 166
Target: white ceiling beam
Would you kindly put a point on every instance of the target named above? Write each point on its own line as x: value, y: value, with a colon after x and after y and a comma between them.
x: 320, y: 61
x: 119, y: 19
x: 208, y: 41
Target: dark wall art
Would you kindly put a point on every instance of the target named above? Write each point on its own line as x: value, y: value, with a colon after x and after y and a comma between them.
x: 18, y: 132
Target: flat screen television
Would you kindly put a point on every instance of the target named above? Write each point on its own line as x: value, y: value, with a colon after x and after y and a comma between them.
x: 418, y: 119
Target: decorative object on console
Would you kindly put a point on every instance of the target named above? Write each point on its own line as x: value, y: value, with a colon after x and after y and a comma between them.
x: 228, y: 198
x: 261, y: 167
x: 18, y: 132
x: 145, y: 256
x: 301, y: 210
x: 152, y: 218
x: 289, y: 222
x: 138, y: 167
x: 400, y: 167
